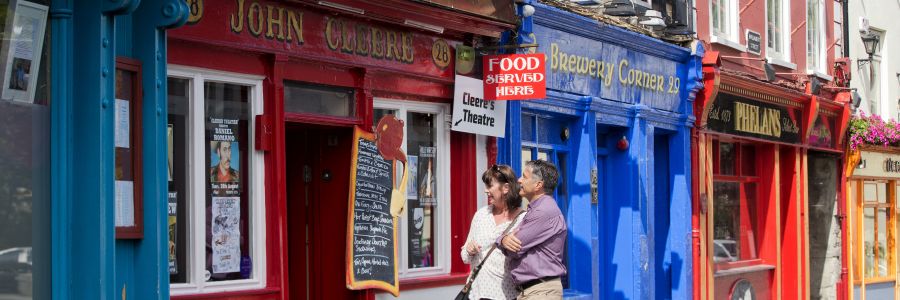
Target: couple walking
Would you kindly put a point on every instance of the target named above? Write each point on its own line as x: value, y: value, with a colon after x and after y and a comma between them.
x: 529, y: 263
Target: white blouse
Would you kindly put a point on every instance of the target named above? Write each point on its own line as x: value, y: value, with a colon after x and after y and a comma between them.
x: 493, y: 281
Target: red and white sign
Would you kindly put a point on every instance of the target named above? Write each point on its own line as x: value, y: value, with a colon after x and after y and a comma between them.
x: 515, y: 77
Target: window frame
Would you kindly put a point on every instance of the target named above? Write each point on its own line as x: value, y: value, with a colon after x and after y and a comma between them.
x: 890, y: 236
x: 442, y: 239
x: 741, y: 179
x: 732, y: 18
x: 196, y: 180
x: 819, y: 68
x: 781, y: 57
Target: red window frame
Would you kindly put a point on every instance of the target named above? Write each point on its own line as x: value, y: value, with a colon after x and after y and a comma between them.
x: 133, y: 66
x: 744, y: 157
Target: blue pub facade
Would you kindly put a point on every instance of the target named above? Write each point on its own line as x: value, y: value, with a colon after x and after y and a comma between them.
x: 71, y: 64
x: 617, y: 122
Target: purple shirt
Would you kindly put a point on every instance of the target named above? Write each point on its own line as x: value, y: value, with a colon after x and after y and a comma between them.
x: 543, y: 236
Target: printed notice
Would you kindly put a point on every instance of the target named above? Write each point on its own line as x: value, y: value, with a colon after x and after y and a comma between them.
x: 226, y: 234
x: 123, y: 124
x: 124, y: 203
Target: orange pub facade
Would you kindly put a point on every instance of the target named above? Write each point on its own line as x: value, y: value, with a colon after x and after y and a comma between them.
x: 263, y: 99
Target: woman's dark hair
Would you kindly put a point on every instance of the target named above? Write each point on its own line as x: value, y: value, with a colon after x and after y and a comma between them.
x: 504, y: 174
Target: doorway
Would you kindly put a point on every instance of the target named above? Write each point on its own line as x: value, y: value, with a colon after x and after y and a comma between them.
x: 317, y: 164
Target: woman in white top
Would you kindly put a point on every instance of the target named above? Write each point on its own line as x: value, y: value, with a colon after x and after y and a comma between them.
x: 504, y: 203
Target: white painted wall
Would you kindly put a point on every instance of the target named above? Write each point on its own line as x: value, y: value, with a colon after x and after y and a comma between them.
x: 882, y: 15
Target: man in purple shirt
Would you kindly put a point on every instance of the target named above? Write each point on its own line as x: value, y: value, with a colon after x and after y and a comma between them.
x: 536, y: 248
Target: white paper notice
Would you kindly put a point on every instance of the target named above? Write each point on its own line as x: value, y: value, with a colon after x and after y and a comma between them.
x: 473, y: 114
x: 123, y: 124
x: 124, y: 203
x: 226, y: 234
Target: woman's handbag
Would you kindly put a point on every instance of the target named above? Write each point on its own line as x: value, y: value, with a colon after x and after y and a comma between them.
x: 464, y: 293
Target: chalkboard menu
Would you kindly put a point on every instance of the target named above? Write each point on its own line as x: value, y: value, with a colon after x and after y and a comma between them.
x: 371, y: 234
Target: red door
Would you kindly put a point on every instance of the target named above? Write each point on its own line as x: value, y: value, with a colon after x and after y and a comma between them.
x: 318, y: 167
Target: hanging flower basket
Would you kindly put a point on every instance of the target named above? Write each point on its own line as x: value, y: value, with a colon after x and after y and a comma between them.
x: 872, y: 130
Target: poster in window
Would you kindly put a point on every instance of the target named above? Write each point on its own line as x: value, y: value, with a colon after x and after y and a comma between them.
x: 412, y: 192
x: 417, y: 253
x: 170, y: 138
x: 224, y: 157
x: 23, y: 52
x: 226, y: 234
x: 426, y: 179
x: 172, y: 210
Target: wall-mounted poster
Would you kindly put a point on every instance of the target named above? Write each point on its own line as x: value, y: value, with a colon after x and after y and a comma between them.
x: 426, y: 179
x: 224, y: 158
x: 172, y: 210
x: 226, y: 235
x: 23, y: 52
x: 412, y: 192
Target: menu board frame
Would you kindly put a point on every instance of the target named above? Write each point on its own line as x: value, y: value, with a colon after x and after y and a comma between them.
x: 133, y: 66
x: 352, y: 282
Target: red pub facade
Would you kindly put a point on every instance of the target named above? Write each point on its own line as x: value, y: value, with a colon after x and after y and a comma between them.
x: 767, y: 152
x: 263, y: 99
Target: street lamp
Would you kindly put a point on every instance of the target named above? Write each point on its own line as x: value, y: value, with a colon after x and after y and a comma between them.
x: 870, y: 41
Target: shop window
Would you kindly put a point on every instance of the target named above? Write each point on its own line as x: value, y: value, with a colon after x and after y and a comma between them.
x: 815, y: 37
x: 724, y: 22
x: 317, y: 99
x: 216, y: 207
x: 425, y: 223
x: 875, y: 211
x: 25, y: 208
x: 735, y: 220
x: 778, y: 31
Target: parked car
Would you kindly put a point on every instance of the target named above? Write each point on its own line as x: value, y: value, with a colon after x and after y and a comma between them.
x: 15, y: 270
x: 725, y: 251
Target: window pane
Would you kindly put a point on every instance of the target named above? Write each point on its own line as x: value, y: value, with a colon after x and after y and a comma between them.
x: 748, y: 160
x: 881, y: 262
x: 227, y: 208
x: 870, y: 192
x: 726, y: 221
x: 727, y: 157
x: 316, y: 99
x: 526, y: 156
x: 178, y: 101
x: 542, y: 155
x: 25, y: 152
x: 528, y: 128
x: 869, y: 240
x: 749, y: 223
x: 422, y: 210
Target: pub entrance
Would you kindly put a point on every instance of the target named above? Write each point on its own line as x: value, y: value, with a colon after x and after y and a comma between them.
x: 317, y: 167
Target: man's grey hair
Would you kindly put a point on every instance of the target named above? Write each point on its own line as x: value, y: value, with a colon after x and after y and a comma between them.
x: 546, y: 172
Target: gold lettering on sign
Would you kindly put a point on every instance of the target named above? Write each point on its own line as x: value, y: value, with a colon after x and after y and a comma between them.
x: 239, y: 18
x: 257, y: 17
x: 753, y: 119
x: 273, y: 22
x: 360, y: 39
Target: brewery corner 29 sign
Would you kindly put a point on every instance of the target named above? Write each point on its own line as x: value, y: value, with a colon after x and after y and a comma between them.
x: 515, y: 77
